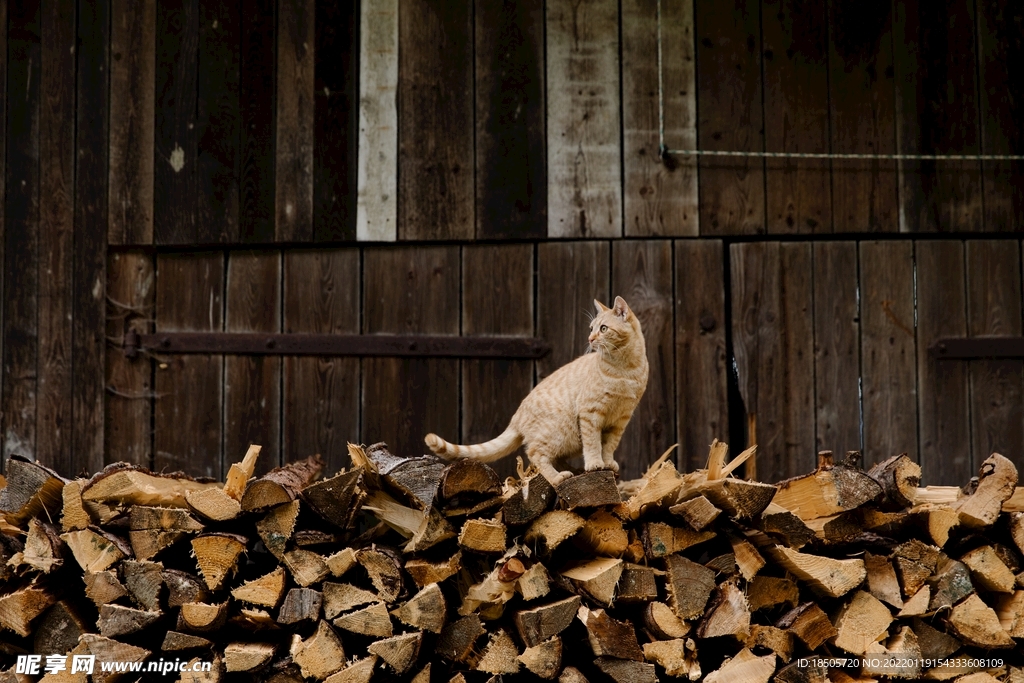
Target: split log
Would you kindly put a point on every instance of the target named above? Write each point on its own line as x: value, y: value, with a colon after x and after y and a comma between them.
x: 977, y: 624
x: 745, y: 667
x: 117, y: 620
x: 217, y: 556
x: 175, y: 641
x: 553, y: 528
x: 596, y: 578
x: 385, y: 571
x: 534, y: 582
x: 784, y: 526
x: 469, y: 478
x: 300, y: 604
x: 772, y: 638
x: 152, y: 529
x: 342, y: 597
x: 861, y: 621
x: 58, y: 629
x: 689, y: 586
x: 96, y: 550
x: 676, y: 656
x: 610, y: 637
x: 458, y: 638
x: 145, y: 582
x: 43, y: 550
x: 527, y: 499
x: 425, y: 611
x: 306, y: 567
x: 997, y: 479
x: 1010, y: 610
x: 321, y: 654
x: 698, y: 512
x: 543, y: 660
x: 74, y: 516
x: 32, y: 490
x: 541, y: 623
x: 425, y: 572
x: 571, y: 674
x: 602, y: 534
x: 882, y: 581
x: 657, y: 489
x: 337, y: 499
x: 737, y: 498
x: 483, y: 536
x: 727, y: 614
x: 277, y: 527
x: 748, y: 560
x: 934, y: 643
x: 399, y: 652
x: 626, y: 670
x: 183, y: 587
x: 500, y: 655
x: 636, y: 584
x: 829, y: 490
x: 373, y: 620
x: 825, y: 575
x: 660, y: 539
x: 359, y: 671
x: 108, y: 650
x: 247, y: 656
x: 202, y: 617
x: 126, y: 485
x: 589, y: 489
x: 765, y: 592
x: 341, y: 561
x: 266, y: 590
x: 899, y: 477
x: 663, y: 622
x: 988, y: 571
x: 281, y: 484
x: 950, y: 584
x: 809, y: 624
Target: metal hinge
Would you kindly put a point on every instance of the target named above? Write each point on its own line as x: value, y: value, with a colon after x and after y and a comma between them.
x: 968, y: 348
x: 298, y: 344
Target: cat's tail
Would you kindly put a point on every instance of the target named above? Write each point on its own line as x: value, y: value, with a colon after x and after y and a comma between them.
x: 489, y: 451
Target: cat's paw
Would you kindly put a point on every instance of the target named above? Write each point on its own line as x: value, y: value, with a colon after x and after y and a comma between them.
x: 560, y: 477
x: 613, y: 466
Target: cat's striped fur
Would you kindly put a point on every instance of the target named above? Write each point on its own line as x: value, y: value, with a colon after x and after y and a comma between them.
x: 583, y: 406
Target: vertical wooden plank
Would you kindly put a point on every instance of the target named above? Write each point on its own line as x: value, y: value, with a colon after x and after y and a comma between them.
x: 773, y: 340
x: 937, y: 100
x: 90, y: 236
x: 252, y: 384
x: 1001, y: 88
x: 795, y: 35
x: 21, y: 231
x: 642, y: 275
x: 188, y: 415
x: 994, y: 308
x: 836, y: 347
x: 217, y: 122
x: 659, y: 194
x: 497, y: 286
x: 336, y: 108
x: 887, y: 343
x: 294, y: 174
x: 511, y: 176
x: 321, y: 394
x: 410, y: 290
x: 584, y: 144
x: 377, y: 157
x: 862, y: 116
x: 943, y: 409
x: 730, y: 116
x: 176, y: 144
x: 702, y: 402
x: 56, y: 225
x: 3, y: 193
x: 564, y: 313
x: 435, y: 129
x: 128, y: 406
x: 132, y: 111
x: 257, y: 81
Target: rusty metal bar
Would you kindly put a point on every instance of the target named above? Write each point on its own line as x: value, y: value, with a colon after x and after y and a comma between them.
x: 967, y: 348
x: 391, y: 345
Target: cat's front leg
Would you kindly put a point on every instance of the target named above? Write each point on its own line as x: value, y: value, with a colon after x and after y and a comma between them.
x: 590, y: 436
x: 610, y: 442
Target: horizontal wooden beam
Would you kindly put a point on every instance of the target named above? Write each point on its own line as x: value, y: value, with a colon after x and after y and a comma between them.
x: 392, y: 345
x: 966, y: 348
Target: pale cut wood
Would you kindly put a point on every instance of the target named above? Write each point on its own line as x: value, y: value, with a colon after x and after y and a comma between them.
x: 306, y: 567
x: 138, y: 487
x: 663, y: 622
x: 553, y: 528
x: 918, y: 604
x: 610, y: 637
x: 772, y: 638
x: 862, y: 621
x: 898, y: 657
x: 399, y: 652
x: 42, y: 549
x: 544, y: 660
x: 977, y: 624
x: 745, y: 667
x: 21, y: 606
x: 597, y: 578
x: 584, y: 164
x: 103, y: 587
x: 424, y: 572
x: 689, y: 586
x: 534, y: 582
x: 540, y: 623
x: 769, y: 591
x: 377, y: 175
x: 425, y: 610
x: 748, y: 560
x: 321, y: 654
x: 213, y: 504
x: 1010, y: 610
x: 341, y: 597
x: 827, y: 491
x: 359, y: 671
x: 483, y: 536
x: 808, y: 623
x: 727, y: 614
x: 202, y: 617
x: 109, y: 650
x: 32, y: 490
x: 73, y: 515
x: 826, y: 575
x: 996, y: 483
x: 697, y: 512
x: 677, y: 656
x: 368, y: 621
x: 217, y: 556
x: 988, y: 571
x: 341, y: 561
x: 277, y: 526
x: 656, y: 489
x: 500, y: 655
x: 94, y: 551
x: 247, y: 656
x: 266, y: 590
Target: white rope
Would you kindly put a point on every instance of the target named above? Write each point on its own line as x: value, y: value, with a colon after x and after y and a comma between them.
x: 664, y: 150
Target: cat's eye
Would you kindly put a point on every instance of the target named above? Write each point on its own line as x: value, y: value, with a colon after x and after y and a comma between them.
x: 604, y: 328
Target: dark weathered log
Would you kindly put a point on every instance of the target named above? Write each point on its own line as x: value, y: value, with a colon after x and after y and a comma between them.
x: 282, y: 484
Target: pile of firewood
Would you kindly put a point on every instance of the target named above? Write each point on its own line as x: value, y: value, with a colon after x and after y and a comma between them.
x: 416, y: 569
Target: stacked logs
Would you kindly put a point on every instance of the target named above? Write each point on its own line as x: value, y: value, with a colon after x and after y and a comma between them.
x: 416, y: 569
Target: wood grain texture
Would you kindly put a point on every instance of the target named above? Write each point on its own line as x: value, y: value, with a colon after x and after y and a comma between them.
x: 335, y: 117
x: 218, y: 122
x: 3, y: 190
x: 497, y: 298
x: 836, y: 347
x: 435, y: 128
x: 176, y: 143
x: 21, y: 231
x: 1001, y: 90
x: 730, y: 116
x: 257, y: 81
x: 862, y: 116
x: 583, y: 124
x: 994, y: 308
x: 702, y: 403
x: 936, y: 91
x: 188, y: 413
x: 659, y: 194
x: 89, y: 253
x: 295, y: 110
x: 887, y: 342
x: 942, y: 405
x: 642, y: 275
x: 252, y: 384
x: 795, y: 49
x: 511, y: 176
x: 377, y: 183
x: 321, y: 395
x: 772, y: 342
x: 564, y: 313
x: 128, y: 408
x: 132, y: 112
x: 56, y: 226
x: 410, y: 290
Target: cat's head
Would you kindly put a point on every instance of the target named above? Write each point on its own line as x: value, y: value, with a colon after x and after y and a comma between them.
x: 612, y: 328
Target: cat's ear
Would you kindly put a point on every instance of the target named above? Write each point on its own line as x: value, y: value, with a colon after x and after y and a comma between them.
x: 601, y: 308
x: 621, y: 309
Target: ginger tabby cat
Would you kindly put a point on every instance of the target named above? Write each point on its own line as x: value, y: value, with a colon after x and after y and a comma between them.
x: 584, y: 406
